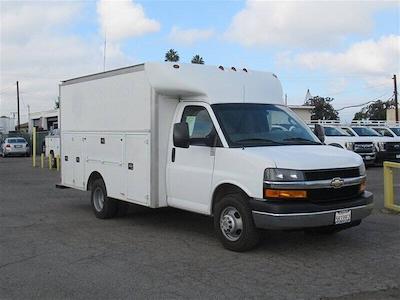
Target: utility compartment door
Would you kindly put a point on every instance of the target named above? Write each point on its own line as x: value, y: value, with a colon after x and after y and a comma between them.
x: 137, y: 164
x: 67, y: 160
x: 79, y: 162
x: 73, y: 164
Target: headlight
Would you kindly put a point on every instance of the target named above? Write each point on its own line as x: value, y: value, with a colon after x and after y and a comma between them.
x: 362, y: 170
x: 274, y: 174
x: 381, y: 146
x: 350, y: 146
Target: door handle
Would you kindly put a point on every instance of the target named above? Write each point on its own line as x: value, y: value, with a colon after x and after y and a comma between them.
x: 173, y: 155
x: 130, y: 166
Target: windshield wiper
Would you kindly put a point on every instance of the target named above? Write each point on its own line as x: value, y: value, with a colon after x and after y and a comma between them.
x: 259, y: 140
x: 303, y: 140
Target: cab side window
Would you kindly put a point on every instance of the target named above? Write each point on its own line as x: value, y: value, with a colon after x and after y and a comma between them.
x: 201, y: 127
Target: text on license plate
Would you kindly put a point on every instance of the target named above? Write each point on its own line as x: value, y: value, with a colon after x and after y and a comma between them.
x: 18, y: 146
x: 342, y: 217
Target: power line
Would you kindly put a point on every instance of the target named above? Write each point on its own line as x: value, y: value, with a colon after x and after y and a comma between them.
x: 363, y: 104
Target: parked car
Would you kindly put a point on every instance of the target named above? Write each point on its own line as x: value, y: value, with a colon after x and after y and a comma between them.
x: 15, y: 146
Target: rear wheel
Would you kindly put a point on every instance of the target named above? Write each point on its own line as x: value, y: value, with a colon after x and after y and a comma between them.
x: 233, y: 223
x: 103, y: 206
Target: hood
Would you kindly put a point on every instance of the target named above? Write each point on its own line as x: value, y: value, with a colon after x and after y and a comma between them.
x: 307, y: 157
x: 379, y: 138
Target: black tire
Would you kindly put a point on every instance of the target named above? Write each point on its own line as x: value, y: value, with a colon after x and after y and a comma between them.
x: 332, y: 229
x: 247, y: 237
x: 109, y: 207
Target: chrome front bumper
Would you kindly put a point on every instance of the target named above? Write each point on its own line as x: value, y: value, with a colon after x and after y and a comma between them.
x: 316, y: 218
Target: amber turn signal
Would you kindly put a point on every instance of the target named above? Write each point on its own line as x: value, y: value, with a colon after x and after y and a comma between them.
x: 363, y: 185
x: 269, y: 193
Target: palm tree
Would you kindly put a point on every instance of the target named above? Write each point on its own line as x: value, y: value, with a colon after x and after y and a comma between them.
x: 197, y: 59
x: 171, y: 55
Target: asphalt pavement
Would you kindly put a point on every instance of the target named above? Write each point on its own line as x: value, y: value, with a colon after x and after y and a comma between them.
x: 52, y: 247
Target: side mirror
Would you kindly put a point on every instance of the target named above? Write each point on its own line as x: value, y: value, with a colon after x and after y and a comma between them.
x: 319, y: 132
x: 181, y: 135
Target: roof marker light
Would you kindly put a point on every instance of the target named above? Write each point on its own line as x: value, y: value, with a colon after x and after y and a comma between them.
x: 176, y: 66
x: 233, y: 69
x: 221, y: 68
x: 244, y: 69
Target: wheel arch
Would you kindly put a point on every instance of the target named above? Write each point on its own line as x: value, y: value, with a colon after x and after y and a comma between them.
x: 223, y: 189
x: 93, y: 176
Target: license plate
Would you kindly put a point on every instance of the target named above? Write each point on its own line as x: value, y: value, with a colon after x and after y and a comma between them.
x: 18, y: 146
x: 342, y: 217
x: 368, y: 157
x: 397, y: 155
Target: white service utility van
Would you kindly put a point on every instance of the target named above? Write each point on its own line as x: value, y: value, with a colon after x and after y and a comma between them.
x: 211, y: 140
x: 52, y: 145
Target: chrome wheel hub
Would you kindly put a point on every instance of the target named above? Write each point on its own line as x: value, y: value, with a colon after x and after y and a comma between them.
x: 231, y: 223
x: 98, y: 199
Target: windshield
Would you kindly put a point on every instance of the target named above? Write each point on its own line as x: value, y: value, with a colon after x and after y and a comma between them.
x: 250, y: 125
x: 332, y: 131
x: 348, y: 131
x: 16, y: 141
x: 365, y: 131
x: 383, y: 131
x: 396, y: 130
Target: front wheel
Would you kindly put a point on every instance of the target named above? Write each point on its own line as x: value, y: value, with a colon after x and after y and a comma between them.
x: 103, y: 206
x: 233, y: 223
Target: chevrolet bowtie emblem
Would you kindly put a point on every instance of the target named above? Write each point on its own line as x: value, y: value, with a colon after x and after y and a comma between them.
x: 337, y: 182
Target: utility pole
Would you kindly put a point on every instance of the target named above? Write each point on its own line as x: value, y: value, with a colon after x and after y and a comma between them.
x: 396, y: 107
x: 19, y: 119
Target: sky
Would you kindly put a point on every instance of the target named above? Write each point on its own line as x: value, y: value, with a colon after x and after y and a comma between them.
x: 341, y: 49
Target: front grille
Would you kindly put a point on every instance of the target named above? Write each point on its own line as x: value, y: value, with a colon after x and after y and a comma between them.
x: 393, y: 147
x: 331, y: 194
x: 331, y: 173
x: 364, y: 147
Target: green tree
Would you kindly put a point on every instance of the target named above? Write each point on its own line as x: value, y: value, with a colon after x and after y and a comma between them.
x: 374, y: 111
x: 172, y: 55
x: 323, y: 109
x: 197, y: 59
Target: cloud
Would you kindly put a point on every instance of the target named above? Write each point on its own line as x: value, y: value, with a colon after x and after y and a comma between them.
x: 189, y: 36
x: 123, y: 19
x: 42, y: 52
x: 20, y: 20
x: 305, y: 24
x: 374, y: 60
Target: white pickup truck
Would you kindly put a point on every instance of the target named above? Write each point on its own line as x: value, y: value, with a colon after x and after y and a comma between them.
x: 211, y: 140
x: 388, y: 148
x: 335, y: 136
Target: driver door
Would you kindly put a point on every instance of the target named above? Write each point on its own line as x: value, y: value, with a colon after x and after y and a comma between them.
x: 190, y: 170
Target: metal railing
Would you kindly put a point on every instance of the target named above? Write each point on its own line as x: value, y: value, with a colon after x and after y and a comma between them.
x: 389, y: 185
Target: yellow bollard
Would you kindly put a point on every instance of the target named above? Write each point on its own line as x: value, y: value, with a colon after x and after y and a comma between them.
x: 58, y: 162
x: 42, y: 160
x: 50, y: 166
x: 34, y: 146
x: 388, y: 185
